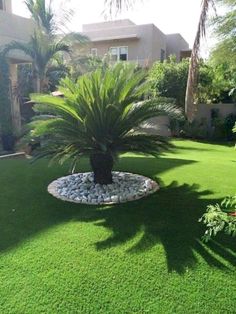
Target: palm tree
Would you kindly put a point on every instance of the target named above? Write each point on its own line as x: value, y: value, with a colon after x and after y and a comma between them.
x: 99, y: 117
x: 45, y: 44
x: 190, y: 105
x: 41, y: 50
x: 191, y: 90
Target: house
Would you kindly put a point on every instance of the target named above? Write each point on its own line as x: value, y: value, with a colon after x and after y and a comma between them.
x: 13, y: 27
x: 124, y: 40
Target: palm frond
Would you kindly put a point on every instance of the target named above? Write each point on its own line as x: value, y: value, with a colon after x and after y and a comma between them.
x: 113, y: 7
x: 101, y: 112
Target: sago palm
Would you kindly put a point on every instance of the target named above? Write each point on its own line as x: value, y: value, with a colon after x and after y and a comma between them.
x: 99, y: 117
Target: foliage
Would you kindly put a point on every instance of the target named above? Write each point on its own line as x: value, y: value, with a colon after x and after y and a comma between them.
x: 169, y: 79
x: 224, y: 27
x: 41, y: 49
x: 193, y: 73
x: 191, y: 88
x: 195, y: 129
x: 99, y: 114
x: 222, y: 127
x: 25, y: 84
x: 5, y: 98
x: 45, y: 45
x: 234, y: 128
x: 220, y: 218
x: 47, y: 19
x: 80, y: 65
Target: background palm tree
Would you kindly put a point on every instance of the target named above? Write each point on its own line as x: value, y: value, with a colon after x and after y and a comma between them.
x: 47, y: 41
x: 99, y: 117
x: 191, y: 90
x: 41, y: 50
x: 190, y: 105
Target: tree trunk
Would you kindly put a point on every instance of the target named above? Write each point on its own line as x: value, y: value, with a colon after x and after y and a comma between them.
x: 102, y: 164
x: 191, y: 90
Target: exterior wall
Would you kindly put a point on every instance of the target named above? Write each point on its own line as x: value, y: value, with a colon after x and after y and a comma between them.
x: 13, y: 27
x: 107, y: 25
x: 144, y: 41
x: 175, y: 43
x: 204, y: 111
x: 159, y: 126
x: 158, y: 44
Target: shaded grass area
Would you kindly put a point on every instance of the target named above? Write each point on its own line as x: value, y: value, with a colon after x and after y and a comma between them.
x: 143, y: 256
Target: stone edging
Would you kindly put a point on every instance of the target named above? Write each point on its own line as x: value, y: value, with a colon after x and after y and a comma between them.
x: 153, y: 187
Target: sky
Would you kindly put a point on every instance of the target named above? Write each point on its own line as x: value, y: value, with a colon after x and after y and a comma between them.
x: 170, y: 16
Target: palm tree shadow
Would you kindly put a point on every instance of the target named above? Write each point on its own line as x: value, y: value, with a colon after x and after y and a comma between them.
x: 170, y: 218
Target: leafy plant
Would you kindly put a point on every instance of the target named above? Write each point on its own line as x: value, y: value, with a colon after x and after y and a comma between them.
x: 5, y: 99
x: 169, y: 79
x: 6, y: 127
x: 45, y: 45
x: 99, y: 117
x: 220, y: 218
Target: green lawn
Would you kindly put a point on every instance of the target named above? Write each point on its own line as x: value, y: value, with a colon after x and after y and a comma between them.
x: 141, y: 257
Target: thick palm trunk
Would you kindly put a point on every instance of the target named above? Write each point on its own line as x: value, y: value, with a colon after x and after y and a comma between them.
x: 102, y: 164
x: 190, y: 101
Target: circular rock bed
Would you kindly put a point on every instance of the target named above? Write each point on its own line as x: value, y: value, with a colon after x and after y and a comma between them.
x: 80, y: 188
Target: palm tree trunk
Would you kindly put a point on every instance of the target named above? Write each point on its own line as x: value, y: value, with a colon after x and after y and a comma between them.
x: 102, y: 164
x: 191, y: 90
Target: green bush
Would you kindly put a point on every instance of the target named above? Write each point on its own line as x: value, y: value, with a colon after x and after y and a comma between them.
x: 220, y: 218
x: 169, y: 79
x: 222, y: 128
x: 195, y: 129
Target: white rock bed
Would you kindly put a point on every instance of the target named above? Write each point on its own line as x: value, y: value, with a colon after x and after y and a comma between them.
x: 80, y: 188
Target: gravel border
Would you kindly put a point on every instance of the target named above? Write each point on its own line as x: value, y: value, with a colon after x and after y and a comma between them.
x: 149, y: 188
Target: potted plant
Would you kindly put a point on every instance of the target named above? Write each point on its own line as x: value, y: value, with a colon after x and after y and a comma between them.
x: 6, y: 128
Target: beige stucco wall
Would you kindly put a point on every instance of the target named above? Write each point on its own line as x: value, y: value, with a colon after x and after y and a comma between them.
x: 204, y: 111
x: 13, y: 27
x: 144, y: 41
x: 158, y: 43
x: 175, y: 43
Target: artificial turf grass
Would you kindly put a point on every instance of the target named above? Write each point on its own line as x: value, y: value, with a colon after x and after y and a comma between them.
x: 144, y: 256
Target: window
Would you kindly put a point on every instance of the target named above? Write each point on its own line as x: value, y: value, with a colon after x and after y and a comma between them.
x: 123, y: 53
x: 114, y: 54
x: 163, y: 55
x: 94, y: 52
x: 119, y: 53
x: 2, y: 5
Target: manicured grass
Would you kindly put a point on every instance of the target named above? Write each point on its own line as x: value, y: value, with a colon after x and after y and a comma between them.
x: 141, y: 257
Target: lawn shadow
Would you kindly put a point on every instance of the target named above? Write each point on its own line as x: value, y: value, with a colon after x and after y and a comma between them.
x: 169, y: 217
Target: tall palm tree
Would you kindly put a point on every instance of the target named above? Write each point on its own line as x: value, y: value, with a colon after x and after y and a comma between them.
x: 41, y: 49
x: 46, y: 42
x: 190, y: 105
x: 99, y: 117
x: 191, y: 90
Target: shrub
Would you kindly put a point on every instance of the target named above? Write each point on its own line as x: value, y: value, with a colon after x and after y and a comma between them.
x: 6, y: 130
x: 220, y: 218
